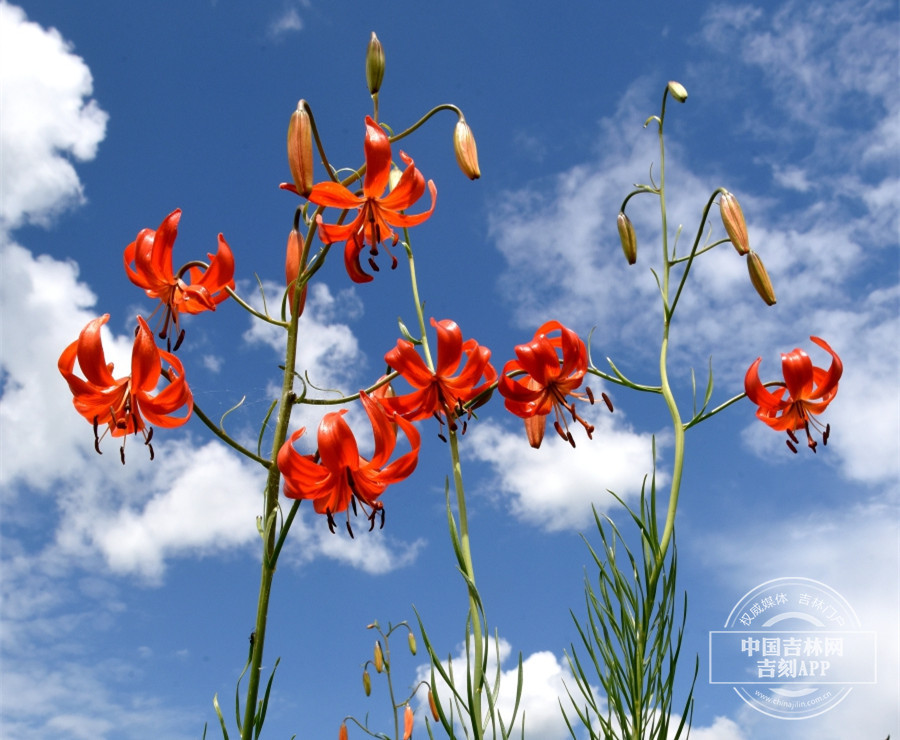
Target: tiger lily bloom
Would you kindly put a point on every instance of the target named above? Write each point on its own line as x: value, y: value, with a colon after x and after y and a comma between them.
x: 439, y: 393
x: 125, y: 405
x: 337, y: 476
x: 377, y: 212
x: 540, y: 382
x: 148, y: 263
x: 806, y: 392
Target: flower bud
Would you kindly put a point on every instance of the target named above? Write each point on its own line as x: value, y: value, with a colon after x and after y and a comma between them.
x: 367, y: 683
x: 433, y: 706
x: 627, y: 237
x: 374, y: 64
x: 342, y: 733
x: 407, y: 722
x: 677, y: 91
x: 760, y: 278
x: 300, y: 149
x: 465, y: 149
x: 411, y: 639
x: 379, y: 657
x: 733, y: 220
x: 292, y: 269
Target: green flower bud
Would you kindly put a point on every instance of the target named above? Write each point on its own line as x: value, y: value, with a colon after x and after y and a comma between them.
x: 374, y: 64
x: 379, y: 657
x: 411, y: 639
x: 627, y: 237
x: 760, y: 278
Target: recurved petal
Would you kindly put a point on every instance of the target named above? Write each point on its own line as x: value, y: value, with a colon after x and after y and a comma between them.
x: 756, y: 391
x: 798, y: 374
x: 334, y: 195
x: 829, y: 385
x: 449, y: 346
x: 378, y: 160
x: 408, y: 190
x: 91, y: 358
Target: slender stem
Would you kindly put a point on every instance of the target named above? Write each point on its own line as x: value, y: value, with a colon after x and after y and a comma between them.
x: 469, y: 572
x: 273, y: 484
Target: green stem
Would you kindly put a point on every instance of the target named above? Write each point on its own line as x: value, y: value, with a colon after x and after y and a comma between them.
x: 271, y: 547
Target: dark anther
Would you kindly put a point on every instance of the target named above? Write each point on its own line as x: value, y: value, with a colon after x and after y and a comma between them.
x: 590, y: 394
x: 373, y: 265
x: 122, y: 453
x: 150, y: 446
x: 393, y: 262
x: 180, y: 340
x: 569, y: 437
x: 372, y: 520
x: 161, y: 336
x: 330, y: 517
x: 793, y: 436
x: 559, y: 430
x: 350, y: 529
x: 442, y: 438
x: 353, y: 504
x: 607, y: 402
x: 791, y: 446
x: 149, y: 436
x: 826, y: 434
x: 97, y: 445
x: 382, y: 519
x: 465, y: 426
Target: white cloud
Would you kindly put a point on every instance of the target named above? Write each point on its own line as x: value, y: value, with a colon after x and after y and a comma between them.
x: 555, y: 486
x: 44, y: 120
x: 289, y: 21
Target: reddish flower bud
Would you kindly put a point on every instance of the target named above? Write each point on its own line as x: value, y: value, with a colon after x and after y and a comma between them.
x: 465, y: 149
x: 367, y: 683
x: 342, y: 733
x: 760, y: 278
x: 433, y: 706
x: 733, y: 220
x: 407, y: 722
x: 677, y: 91
x: 292, y: 269
x: 374, y: 64
x: 300, y: 149
x: 627, y: 237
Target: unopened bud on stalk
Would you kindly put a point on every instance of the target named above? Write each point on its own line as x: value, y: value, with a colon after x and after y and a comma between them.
x: 374, y: 64
x: 677, y: 91
x: 433, y: 706
x: 342, y: 733
x: 379, y: 657
x: 733, y: 220
x: 367, y: 683
x: 411, y: 639
x: 465, y: 149
x: 300, y: 149
x: 407, y: 722
x: 628, y: 237
x: 292, y: 269
x: 760, y: 278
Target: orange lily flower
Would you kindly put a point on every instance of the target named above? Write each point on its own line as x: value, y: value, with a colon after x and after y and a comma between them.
x: 125, y: 405
x: 337, y: 476
x: 806, y: 391
x: 377, y: 212
x: 440, y: 394
x: 148, y: 262
x: 548, y: 382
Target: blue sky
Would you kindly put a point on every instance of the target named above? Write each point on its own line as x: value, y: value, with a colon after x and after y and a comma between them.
x: 129, y: 593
